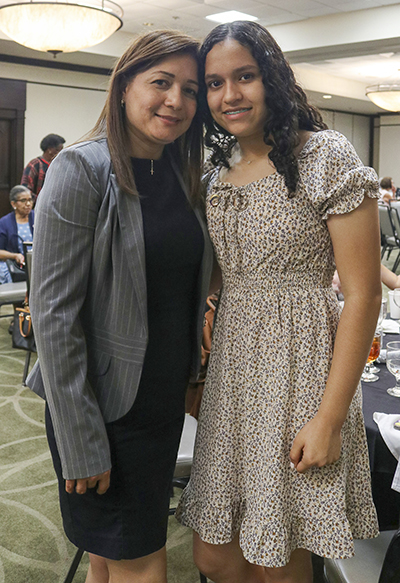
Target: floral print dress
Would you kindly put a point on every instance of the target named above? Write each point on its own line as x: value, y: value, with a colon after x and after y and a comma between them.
x: 272, y: 349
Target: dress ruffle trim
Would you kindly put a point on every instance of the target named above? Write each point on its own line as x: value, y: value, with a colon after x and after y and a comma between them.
x: 272, y: 543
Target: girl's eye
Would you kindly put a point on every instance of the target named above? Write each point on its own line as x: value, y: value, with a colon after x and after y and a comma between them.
x: 214, y: 84
x: 247, y: 76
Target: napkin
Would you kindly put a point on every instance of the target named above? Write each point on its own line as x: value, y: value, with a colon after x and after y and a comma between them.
x: 391, y: 437
x: 391, y: 326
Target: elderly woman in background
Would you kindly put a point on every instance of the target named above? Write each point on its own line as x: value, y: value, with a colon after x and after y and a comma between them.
x: 121, y: 270
x: 15, y: 228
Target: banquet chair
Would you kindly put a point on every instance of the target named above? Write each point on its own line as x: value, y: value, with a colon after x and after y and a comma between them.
x: 183, y: 467
x: 28, y: 266
x: 376, y: 560
x: 184, y: 461
x: 390, y: 239
x: 395, y: 218
x: 12, y: 293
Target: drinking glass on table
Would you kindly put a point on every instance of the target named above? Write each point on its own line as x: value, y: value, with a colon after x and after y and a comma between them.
x: 368, y: 376
x: 381, y: 318
x: 393, y: 366
x: 382, y: 313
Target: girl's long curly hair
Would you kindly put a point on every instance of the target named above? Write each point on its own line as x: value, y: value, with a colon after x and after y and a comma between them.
x: 287, y: 106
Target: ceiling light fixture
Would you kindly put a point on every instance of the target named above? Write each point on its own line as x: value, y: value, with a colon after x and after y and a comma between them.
x: 230, y: 16
x: 60, y: 27
x: 385, y: 96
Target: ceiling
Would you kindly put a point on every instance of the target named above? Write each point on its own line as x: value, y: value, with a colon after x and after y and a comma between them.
x: 336, y: 47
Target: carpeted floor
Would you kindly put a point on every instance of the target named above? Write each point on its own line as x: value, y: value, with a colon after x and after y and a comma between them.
x: 33, y: 547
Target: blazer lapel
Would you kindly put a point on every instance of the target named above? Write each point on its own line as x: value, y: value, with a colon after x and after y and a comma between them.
x: 131, y: 223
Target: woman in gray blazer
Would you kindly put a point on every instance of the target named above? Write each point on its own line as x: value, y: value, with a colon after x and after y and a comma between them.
x: 121, y: 269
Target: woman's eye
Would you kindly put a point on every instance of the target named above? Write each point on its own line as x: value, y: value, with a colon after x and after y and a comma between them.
x: 214, y: 84
x: 191, y: 92
x: 160, y: 82
x: 247, y: 76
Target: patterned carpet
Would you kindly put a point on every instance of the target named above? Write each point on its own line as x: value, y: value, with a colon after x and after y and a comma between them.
x: 33, y: 547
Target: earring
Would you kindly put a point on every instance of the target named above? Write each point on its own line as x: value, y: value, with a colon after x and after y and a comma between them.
x: 122, y: 103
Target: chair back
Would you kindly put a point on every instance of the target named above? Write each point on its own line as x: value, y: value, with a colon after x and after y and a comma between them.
x: 391, y: 565
x: 395, y: 219
x: 28, y: 265
x: 385, y: 221
x: 375, y: 560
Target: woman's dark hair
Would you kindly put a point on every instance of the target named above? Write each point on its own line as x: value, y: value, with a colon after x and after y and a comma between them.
x: 386, y: 182
x: 144, y: 53
x: 287, y: 106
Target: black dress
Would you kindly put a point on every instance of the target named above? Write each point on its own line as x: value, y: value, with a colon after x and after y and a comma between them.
x: 130, y: 519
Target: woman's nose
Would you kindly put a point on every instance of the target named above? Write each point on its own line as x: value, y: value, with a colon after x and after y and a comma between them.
x: 174, y: 97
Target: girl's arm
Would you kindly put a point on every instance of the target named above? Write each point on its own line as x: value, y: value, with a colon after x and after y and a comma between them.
x: 356, y: 243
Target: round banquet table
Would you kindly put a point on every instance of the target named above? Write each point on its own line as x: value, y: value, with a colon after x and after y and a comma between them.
x: 383, y: 463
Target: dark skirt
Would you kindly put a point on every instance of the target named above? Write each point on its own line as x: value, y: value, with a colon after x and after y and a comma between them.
x: 130, y: 520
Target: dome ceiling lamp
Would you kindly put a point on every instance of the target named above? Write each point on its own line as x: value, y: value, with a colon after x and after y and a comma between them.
x: 60, y: 27
x: 385, y: 95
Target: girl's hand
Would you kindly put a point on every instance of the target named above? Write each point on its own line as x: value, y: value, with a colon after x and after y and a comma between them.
x: 317, y: 444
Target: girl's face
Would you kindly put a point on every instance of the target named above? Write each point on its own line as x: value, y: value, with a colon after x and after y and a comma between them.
x: 235, y: 91
x: 160, y: 104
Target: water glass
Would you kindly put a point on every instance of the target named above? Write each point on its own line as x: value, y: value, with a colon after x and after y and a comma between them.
x: 393, y: 365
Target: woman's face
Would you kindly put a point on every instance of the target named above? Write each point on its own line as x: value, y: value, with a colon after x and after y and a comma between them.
x: 23, y: 204
x: 160, y: 104
x: 235, y: 91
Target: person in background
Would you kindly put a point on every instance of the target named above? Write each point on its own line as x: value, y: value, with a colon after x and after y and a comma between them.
x: 16, y: 228
x: 387, y: 190
x: 281, y: 465
x: 390, y: 279
x: 121, y: 269
x: 35, y: 171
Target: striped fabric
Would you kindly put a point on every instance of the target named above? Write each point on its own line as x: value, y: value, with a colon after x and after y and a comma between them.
x: 88, y: 303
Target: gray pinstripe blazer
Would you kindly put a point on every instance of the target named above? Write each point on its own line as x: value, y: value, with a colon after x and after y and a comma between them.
x: 88, y: 303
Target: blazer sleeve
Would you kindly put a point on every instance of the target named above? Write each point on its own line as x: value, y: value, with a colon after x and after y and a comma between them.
x: 65, y: 221
x: 8, y: 233
x: 3, y: 234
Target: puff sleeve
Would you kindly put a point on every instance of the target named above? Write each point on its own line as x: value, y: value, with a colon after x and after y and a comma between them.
x: 333, y: 176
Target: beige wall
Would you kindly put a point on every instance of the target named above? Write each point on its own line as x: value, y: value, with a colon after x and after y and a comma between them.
x: 69, y: 112
x: 387, y: 143
x: 67, y: 103
x: 354, y: 127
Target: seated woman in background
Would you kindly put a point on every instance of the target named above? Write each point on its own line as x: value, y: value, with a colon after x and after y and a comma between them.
x: 387, y: 190
x: 15, y: 228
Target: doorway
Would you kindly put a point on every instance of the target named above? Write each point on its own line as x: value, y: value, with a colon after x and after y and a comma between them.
x: 12, y: 120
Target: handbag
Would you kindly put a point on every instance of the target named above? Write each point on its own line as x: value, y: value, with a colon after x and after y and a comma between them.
x: 17, y: 272
x: 195, y: 388
x: 22, y: 334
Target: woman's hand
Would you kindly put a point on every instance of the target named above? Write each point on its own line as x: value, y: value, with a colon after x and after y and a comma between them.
x: 102, y: 481
x: 19, y: 258
x: 317, y: 444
